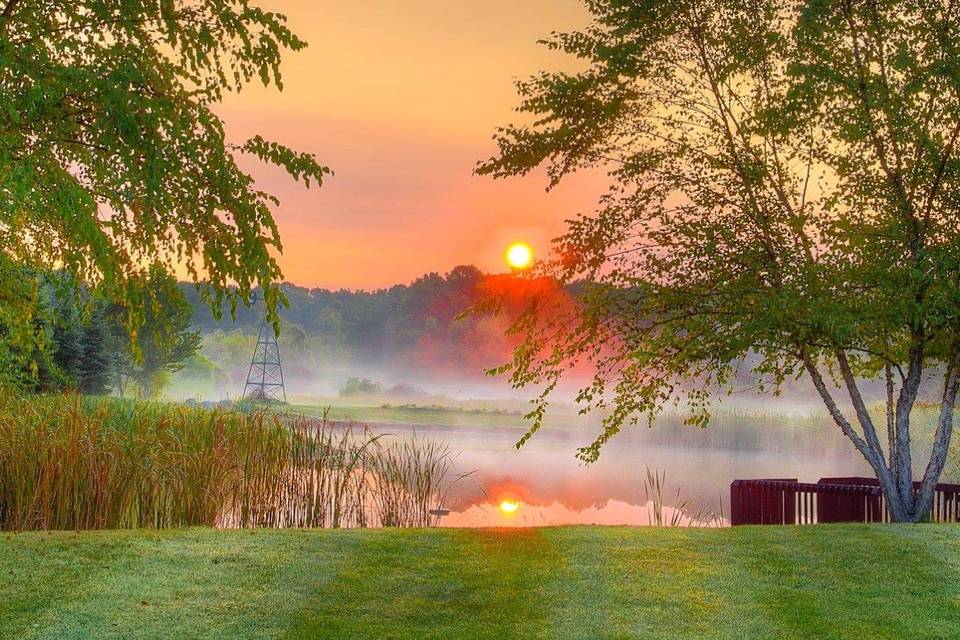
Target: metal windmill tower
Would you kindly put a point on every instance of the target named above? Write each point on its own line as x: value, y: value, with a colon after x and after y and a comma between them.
x: 265, y: 376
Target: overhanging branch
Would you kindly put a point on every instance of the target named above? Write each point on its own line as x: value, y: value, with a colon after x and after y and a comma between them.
x: 8, y: 9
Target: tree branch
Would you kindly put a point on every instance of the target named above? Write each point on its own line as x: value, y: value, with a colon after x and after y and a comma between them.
x: 941, y: 441
x: 762, y: 219
x: 893, y: 175
x: 863, y: 416
x: 8, y: 10
x: 838, y: 417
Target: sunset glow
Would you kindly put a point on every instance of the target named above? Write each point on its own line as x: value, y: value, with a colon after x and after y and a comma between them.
x: 373, y: 85
x: 519, y: 255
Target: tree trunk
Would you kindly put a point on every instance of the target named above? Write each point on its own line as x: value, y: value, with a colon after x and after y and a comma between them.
x: 898, y: 509
x: 905, y: 502
x: 891, y: 419
x: 902, y: 462
x: 941, y: 440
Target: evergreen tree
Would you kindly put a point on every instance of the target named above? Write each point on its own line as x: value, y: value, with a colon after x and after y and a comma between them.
x: 95, y: 361
x: 67, y: 350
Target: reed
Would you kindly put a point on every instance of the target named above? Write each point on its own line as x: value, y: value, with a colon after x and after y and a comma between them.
x: 407, y: 474
x: 68, y: 462
x: 680, y: 513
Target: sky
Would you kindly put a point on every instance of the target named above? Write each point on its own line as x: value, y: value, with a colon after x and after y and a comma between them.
x: 400, y: 98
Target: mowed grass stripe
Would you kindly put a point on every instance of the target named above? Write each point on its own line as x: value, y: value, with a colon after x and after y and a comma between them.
x: 43, y: 573
x: 621, y: 584
x: 856, y: 582
x: 439, y: 584
x: 180, y: 583
x: 579, y: 582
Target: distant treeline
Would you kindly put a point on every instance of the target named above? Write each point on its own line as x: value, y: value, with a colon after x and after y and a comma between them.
x: 67, y: 336
x: 367, y: 320
x: 413, y: 333
x: 416, y: 326
x: 409, y: 333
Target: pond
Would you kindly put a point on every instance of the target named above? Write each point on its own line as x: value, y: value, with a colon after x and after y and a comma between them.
x: 543, y: 483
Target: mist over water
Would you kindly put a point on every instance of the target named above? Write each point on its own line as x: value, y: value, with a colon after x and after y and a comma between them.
x: 481, y: 419
x: 404, y: 362
x: 552, y: 487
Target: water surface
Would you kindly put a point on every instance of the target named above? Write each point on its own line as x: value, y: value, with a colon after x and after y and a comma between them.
x: 544, y: 484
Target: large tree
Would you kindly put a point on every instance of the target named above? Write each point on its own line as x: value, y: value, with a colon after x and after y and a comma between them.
x: 112, y: 157
x: 785, y: 193
x: 162, y: 344
x: 23, y: 348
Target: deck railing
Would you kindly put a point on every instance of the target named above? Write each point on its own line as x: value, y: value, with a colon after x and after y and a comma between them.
x: 786, y: 501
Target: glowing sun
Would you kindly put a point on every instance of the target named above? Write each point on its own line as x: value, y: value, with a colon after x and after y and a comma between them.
x: 509, y: 506
x: 519, y: 255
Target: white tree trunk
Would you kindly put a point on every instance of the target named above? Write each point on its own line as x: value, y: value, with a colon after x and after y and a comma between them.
x: 895, y: 471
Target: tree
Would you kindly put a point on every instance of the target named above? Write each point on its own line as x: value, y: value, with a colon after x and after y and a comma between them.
x: 361, y: 387
x: 22, y: 335
x: 77, y: 320
x: 785, y: 186
x: 112, y: 157
x: 120, y: 361
x: 164, y: 342
x: 79, y: 348
x: 67, y: 349
x: 95, y: 358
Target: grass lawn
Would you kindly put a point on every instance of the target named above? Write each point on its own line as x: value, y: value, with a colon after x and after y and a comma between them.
x: 579, y: 582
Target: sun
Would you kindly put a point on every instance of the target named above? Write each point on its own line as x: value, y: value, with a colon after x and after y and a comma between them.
x: 509, y: 506
x: 519, y: 255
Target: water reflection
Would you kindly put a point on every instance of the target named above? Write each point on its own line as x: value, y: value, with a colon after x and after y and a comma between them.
x: 613, y: 512
x: 549, y: 486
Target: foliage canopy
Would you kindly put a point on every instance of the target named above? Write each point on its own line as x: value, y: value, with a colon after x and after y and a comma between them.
x: 785, y: 193
x: 112, y: 158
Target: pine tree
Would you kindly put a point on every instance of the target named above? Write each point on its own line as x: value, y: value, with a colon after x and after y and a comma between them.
x: 95, y: 362
x: 67, y: 350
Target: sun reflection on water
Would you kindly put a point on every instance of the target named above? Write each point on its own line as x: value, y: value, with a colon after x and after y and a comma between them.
x: 509, y: 506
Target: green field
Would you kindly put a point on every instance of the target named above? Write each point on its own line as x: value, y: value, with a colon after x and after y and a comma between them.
x: 766, y: 582
x: 422, y: 414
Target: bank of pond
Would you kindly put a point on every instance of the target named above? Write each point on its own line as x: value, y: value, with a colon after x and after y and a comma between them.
x: 77, y: 462
x: 68, y: 462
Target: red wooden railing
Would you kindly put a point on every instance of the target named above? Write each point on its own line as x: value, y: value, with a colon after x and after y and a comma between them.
x: 829, y: 500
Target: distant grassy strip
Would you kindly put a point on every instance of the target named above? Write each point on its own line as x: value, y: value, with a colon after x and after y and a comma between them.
x: 765, y: 582
x: 736, y: 429
x: 447, y: 416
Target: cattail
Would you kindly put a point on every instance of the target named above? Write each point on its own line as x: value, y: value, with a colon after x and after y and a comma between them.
x: 68, y: 462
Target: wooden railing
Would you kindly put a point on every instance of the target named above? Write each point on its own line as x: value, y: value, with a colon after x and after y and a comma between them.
x: 829, y: 500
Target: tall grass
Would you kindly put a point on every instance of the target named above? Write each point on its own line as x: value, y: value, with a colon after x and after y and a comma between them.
x: 75, y: 463
x: 678, y: 514
x: 406, y: 474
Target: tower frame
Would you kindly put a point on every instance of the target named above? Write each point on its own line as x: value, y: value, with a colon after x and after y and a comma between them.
x: 265, y: 375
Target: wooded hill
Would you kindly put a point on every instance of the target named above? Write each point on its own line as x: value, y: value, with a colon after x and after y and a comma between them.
x: 407, y: 332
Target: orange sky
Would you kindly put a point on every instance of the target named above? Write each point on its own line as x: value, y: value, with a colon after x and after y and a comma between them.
x: 400, y: 98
